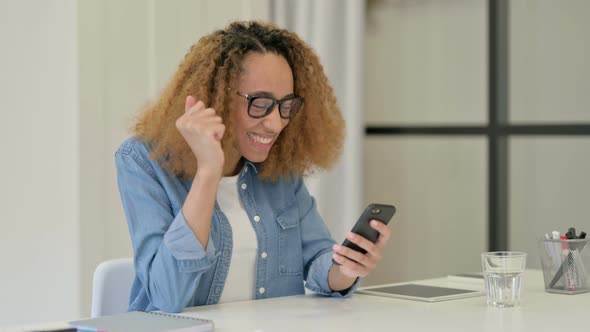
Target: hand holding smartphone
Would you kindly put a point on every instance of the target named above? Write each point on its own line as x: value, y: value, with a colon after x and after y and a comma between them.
x: 381, y: 212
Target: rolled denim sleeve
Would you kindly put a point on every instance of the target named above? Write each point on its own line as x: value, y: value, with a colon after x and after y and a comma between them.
x: 169, y: 260
x: 186, y: 248
x: 317, y: 280
x: 317, y: 245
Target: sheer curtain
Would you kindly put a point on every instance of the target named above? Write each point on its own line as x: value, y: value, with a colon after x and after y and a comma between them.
x: 335, y: 29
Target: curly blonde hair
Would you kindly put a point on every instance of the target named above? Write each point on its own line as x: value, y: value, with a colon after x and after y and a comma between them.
x: 313, y: 138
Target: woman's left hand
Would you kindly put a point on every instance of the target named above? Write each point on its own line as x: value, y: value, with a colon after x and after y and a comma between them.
x: 355, y: 264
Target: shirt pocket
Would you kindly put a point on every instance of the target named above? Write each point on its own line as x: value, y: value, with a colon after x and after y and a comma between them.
x: 290, y: 251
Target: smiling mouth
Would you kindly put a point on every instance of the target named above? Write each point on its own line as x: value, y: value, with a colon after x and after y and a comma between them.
x: 260, y: 139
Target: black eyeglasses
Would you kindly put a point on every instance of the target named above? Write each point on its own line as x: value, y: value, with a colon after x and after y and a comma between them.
x: 261, y: 106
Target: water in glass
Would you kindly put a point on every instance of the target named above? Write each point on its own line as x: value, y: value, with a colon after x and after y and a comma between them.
x: 503, y: 289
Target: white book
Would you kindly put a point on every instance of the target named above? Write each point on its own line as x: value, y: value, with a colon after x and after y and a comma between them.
x: 139, y: 321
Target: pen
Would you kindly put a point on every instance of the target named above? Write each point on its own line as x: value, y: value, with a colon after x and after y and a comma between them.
x: 568, y: 261
x: 571, y: 233
x: 550, y: 249
x: 555, y: 250
x: 563, y: 266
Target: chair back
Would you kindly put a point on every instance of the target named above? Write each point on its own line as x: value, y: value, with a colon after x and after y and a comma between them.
x: 111, y: 287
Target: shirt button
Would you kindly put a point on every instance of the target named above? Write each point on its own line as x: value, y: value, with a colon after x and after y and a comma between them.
x: 244, y: 186
x: 256, y: 218
x: 263, y: 255
x: 261, y: 290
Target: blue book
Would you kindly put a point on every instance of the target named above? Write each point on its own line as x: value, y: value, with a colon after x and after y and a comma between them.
x: 139, y: 321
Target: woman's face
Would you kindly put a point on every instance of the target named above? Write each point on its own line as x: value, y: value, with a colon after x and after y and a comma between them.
x: 266, y: 74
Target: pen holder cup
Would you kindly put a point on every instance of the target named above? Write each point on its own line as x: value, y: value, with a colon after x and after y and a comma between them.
x: 566, y: 265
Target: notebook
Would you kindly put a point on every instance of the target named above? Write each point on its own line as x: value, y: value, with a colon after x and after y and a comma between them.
x: 139, y: 321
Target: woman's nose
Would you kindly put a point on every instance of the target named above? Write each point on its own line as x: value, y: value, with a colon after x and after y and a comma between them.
x: 273, y: 121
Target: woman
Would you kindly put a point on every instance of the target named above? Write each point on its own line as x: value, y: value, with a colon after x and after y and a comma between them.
x: 211, y: 182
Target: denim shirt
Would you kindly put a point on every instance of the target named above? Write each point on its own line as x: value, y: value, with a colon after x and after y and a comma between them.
x: 174, y: 271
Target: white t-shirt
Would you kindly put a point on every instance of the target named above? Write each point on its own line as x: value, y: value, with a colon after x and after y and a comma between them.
x: 240, y: 284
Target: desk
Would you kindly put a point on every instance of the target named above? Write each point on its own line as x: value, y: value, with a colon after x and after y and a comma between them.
x: 540, y: 311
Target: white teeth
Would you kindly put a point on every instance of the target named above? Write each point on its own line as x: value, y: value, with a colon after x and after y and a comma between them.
x: 259, y: 139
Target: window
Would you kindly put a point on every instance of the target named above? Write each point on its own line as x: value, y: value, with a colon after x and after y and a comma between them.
x: 478, y: 112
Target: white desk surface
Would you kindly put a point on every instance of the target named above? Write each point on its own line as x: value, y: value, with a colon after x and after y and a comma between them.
x: 540, y: 311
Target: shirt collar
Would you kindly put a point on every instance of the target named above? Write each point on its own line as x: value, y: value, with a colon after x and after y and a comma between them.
x: 252, y: 165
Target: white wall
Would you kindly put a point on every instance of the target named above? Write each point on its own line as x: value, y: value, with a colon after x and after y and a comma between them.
x: 439, y: 187
x: 549, y: 54
x: 549, y: 190
x: 426, y: 64
x: 39, y: 255
x: 73, y: 75
x: 128, y: 51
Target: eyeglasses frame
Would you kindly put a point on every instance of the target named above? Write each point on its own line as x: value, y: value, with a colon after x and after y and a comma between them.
x: 252, y: 98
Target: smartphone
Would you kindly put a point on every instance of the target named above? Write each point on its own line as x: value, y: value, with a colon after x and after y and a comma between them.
x: 381, y: 212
